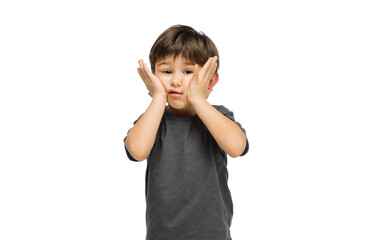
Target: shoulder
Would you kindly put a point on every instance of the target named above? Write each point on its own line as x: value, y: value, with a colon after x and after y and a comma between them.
x: 225, y: 111
x: 222, y: 109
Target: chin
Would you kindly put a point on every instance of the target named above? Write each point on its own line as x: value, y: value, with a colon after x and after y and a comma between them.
x: 184, y: 107
x: 179, y: 108
x: 178, y: 105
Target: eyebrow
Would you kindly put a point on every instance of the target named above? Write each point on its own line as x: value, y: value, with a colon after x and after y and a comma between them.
x: 162, y: 63
x: 167, y: 63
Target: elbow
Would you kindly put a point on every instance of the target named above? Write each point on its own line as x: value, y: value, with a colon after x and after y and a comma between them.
x: 235, y: 154
x: 138, y: 157
x: 137, y: 153
x: 237, y: 149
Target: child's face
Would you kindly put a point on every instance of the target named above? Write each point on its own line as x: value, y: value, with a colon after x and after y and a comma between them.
x: 175, y: 75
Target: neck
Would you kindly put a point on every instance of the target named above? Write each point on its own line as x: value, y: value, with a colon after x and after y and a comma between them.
x: 181, y: 113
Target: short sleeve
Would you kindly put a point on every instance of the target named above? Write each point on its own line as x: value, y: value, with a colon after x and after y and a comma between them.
x: 124, y: 143
x: 229, y: 114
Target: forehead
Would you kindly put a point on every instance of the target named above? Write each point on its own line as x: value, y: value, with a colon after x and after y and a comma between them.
x: 171, y: 60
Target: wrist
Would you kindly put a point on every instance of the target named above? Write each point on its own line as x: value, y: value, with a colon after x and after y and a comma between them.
x: 159, y: 96
x: 197, y: 101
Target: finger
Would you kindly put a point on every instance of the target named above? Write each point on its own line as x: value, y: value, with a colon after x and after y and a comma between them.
x: 213, y: 65
x: 149, y: 76
x: 148, y: 72
x: 206, y: 65
x: 208, y: 68
x: 144, y: 69
x: 141, y: 74
x: 141, y: 69
x: 212, y: 68
x: 205, y: 74
x: 195, y: 76
x: 140, y: 64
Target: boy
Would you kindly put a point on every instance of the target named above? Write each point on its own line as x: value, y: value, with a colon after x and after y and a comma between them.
x: 186, y: 142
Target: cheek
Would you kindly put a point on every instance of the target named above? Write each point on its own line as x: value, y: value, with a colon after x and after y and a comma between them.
x: 164, y: 81
x: 186, y: 83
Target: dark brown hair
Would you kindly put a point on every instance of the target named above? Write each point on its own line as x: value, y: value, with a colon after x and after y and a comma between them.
x: 186, y: 41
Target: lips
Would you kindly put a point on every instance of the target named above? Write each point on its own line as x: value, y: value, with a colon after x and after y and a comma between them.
x: 175, y: 94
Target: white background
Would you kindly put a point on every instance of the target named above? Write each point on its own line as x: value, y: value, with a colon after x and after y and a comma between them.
x: 300, y: 76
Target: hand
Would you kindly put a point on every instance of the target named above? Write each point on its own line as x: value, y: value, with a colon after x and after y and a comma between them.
x: 152, y: 83
x: 199, y: 85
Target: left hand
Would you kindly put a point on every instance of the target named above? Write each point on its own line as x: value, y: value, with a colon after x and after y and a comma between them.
x: 198, y: 87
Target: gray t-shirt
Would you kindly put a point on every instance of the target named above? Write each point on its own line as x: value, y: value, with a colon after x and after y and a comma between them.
x: 186, y: 187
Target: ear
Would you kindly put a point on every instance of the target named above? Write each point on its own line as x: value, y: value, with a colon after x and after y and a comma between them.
x: 213, y: 81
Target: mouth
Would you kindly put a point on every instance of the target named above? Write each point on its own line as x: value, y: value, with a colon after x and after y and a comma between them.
x: 175, y: 94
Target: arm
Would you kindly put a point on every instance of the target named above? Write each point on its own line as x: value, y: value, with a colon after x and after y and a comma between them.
x: 227, y: 133
x: 141, y: 137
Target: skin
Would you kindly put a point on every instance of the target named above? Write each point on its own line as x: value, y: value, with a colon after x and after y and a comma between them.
x: 195, y: 83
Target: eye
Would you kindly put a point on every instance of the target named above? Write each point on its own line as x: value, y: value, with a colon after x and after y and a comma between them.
x: 167, y: 72
x: 188, y: 72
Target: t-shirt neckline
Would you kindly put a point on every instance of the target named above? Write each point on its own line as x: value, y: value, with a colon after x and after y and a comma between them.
x: 179, y: 118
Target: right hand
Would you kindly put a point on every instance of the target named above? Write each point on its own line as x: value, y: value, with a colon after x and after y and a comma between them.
x: 152, y: 83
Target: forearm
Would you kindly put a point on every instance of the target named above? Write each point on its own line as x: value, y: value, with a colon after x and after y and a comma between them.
x: 141, y: 137
x: 227, y: 133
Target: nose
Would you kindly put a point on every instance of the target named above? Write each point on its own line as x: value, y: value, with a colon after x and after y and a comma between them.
x: 176, y: 80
